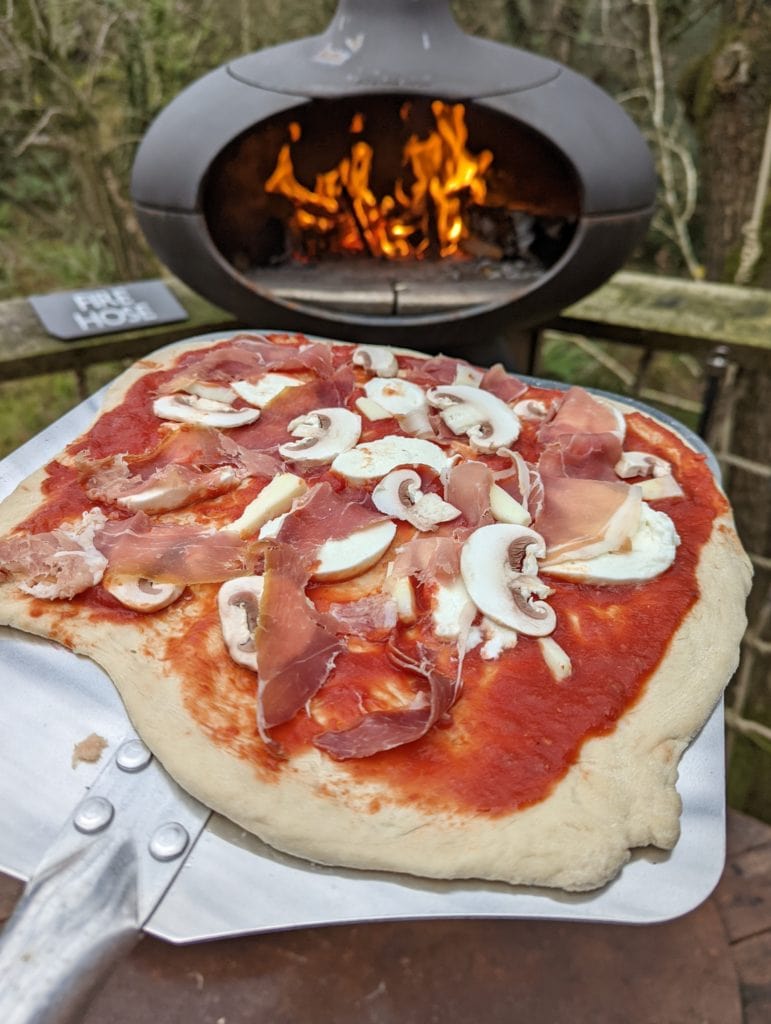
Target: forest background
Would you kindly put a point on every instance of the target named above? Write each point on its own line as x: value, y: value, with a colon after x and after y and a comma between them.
x: 80, y: 81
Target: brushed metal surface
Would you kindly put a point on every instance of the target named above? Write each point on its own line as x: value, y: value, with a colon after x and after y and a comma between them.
x: 231, y: 883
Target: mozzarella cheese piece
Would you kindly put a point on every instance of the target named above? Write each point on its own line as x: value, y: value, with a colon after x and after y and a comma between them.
x: 273, y: 500
x: 341, y: 559
x: 265, y: 389
x: 651, y: 552
x: 452, y: 610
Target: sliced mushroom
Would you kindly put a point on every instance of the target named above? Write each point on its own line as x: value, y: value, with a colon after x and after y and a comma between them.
x: 143, y: 595
x: 373, y: 459
x: 632, y: 464
x: 184, y: 408
x: 404, y: 400
x: 263, y: 391
x: 486, y: 419
x: 323, y: 435
x: 274, y: 499
x: 498, y: 564
x: 532, y: 409
x: 660, y: 487
x: 399, y: 495
x: 238, y: 603
x: 377, y: 359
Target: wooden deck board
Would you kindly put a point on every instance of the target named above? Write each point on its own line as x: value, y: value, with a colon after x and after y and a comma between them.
x: 712, y: 965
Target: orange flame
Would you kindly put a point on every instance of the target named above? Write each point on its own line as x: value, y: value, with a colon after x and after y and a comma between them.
x: 428, y: 213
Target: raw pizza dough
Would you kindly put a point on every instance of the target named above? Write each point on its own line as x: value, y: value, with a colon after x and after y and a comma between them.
x: 619, y: 794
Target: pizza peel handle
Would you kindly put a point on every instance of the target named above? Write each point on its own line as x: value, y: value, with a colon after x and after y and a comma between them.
x: 100, y: 880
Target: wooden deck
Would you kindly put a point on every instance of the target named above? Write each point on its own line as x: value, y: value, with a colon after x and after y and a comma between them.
x: 712, y: 966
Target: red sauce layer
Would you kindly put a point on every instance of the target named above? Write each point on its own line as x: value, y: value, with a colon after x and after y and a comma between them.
x: 515, y: 731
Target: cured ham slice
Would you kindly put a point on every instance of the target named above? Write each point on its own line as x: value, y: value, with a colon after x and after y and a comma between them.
x: 173, y: 552
x: 247, y: 357
x: 324, y: 514
x: 57, y: 564
x: 296, y: 645
x: 431, y: 559
x: 270, y: 430
x: 468, y: 488
x: 384, y: 730
x: 591, y: 456
x: 436, y: 370
x: 190, y: 463
x: 498, y: 381
x: 584, y: 518
x: 580, y: 413
x: 522, y: 481
x: 370, y: 616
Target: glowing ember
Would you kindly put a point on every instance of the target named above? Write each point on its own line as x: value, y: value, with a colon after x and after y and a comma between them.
x: 425, y: 215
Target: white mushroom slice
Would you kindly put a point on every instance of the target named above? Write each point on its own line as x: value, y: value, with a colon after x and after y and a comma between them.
x: 633, y: 464
x: 183, y: 408
x: 531, y: 409
x: 214, y: 392
x: 323, y: 435
x: 372, y: 410
x: 272, y: 501
x: 660, y: 487
x: 373, y: 459
x: 238, y: 603
x: 404, y: 400
x: 399, y: 495
x: 557, y: 661
x: 143, y: 595
x: 263, y: 391
x: 468, y: 375
x: 377, y: 359
x: 486, y: 419
x: 651, y: 551
x: 498, y: 565
x: 165, y: 497
x: 506, y: 509
x: 349, y: 556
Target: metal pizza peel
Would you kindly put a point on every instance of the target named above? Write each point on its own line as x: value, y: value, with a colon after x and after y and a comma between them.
x: 116, y: 847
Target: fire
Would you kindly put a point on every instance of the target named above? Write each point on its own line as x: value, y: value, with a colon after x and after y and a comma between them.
x: 425, y: 215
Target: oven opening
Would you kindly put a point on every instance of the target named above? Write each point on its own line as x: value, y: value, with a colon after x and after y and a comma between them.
x: 391, y: 205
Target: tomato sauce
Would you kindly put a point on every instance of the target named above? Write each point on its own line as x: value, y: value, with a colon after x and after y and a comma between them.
x: 515, y: 731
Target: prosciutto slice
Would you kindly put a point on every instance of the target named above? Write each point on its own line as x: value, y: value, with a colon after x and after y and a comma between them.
x: 324, y: 514
x: 584, y: 518
x: 296, y: 645
x: 270, y: 430
x: 522, y: 481
x: 500, y: 382
x: 173, y: 552
x: 580, y: 413
x: 591, y: 456
x: 371, y: 616
x: 468, y: 488
x: 431, y: 559
x: 384, y: 730
x: 248, y: 357
x: 190, y: 463
x: 57, y: 564
x: 434, y: 371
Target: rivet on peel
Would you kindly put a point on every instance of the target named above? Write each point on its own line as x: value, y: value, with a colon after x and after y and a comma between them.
x: 94, y: 814
x: 133, y: 756
x: 169, y: 841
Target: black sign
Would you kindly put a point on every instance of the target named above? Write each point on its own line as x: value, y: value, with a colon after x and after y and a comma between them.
x: 107, y: 310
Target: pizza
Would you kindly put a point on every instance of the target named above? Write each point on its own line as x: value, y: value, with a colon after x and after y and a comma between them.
x: 389, y: 611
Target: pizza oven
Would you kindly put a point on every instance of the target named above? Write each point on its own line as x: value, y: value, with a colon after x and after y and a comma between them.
x: 393, y: 179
